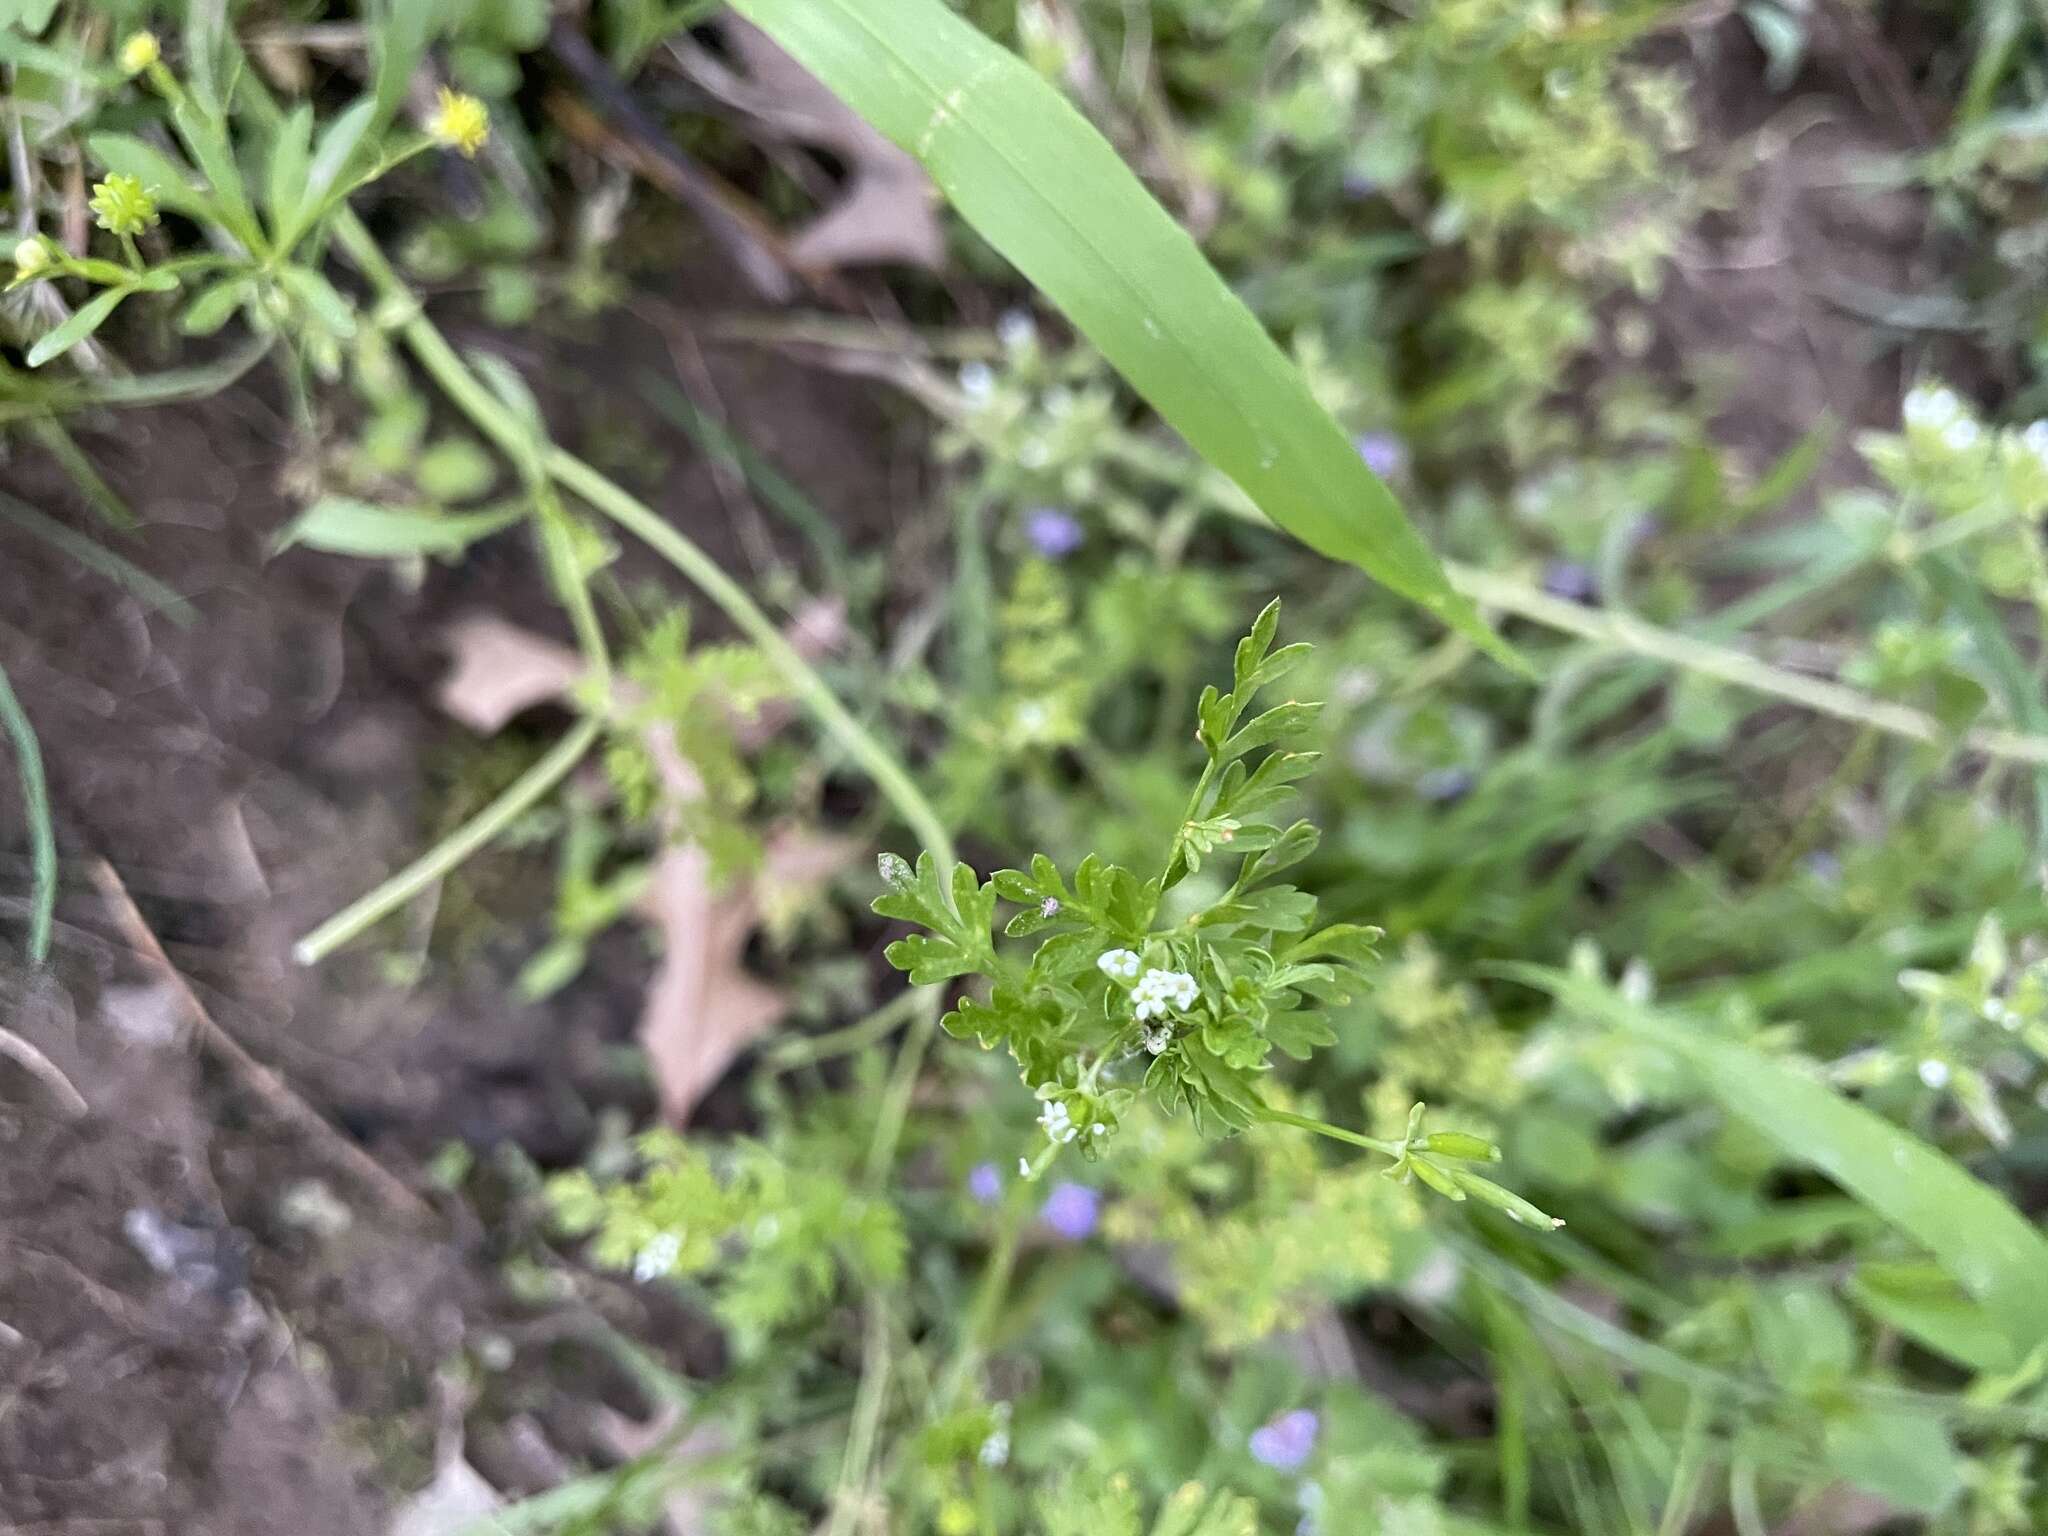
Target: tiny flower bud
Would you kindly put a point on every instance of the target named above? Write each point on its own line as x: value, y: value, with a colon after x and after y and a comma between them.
x: 1458, y: 1144
x: 139, y: 52
x: 460, y: 122
x: 30, y: 257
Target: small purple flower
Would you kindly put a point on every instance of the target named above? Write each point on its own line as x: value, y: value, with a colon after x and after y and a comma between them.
x: 1287, y: 1441
x: 1384, y: 454
x: 1445, y: 786
x: 1572, y: 581
x: 1071, y: 1211
x: 1053, y: 533
x: 1049, y: 907
x: 985, y: 1183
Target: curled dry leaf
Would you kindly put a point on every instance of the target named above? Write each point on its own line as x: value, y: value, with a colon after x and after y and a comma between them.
x: 703, y: 1006
x: 888, y: 213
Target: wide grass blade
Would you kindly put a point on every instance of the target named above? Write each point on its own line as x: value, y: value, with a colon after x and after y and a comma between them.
x: 1037, y: 181
x: 1970, y: 1230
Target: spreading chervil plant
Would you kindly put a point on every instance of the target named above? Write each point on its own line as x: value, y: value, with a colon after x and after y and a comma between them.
x: 1123, y: 993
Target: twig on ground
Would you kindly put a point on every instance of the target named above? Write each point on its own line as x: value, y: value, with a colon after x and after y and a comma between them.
x: 275, y: 1094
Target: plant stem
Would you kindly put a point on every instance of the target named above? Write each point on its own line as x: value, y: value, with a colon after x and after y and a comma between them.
x: 496, y: 420
x: 42, y: 837
x: 1334, y: 1132
x: 1737, y: 667
x: 808, y: 1050
x: 436, y: 862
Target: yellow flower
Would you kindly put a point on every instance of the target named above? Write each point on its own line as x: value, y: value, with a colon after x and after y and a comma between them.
x: 461, y: 122
x: 121, y: 205
x: 139, y: 52
x: 30, y: 257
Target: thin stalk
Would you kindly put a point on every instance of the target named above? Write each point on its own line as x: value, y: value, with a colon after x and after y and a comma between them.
x: 809, y: 1050
x: 1604, y: 626
x: 1820, y: 695
x: 524, y: 793
x: 605, y: 496
x: 1334, y: 1132
x: 42, y: 837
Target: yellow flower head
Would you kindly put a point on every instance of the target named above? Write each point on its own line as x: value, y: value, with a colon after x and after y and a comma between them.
x: 139, y: 52
x: 121, y: 205
x: 30, y: 257
x: 461, y: 122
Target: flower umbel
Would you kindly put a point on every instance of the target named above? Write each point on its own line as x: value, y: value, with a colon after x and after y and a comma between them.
x: 460, y: 122
x: 1118, y: 964
x: 1159, y: 992
x: 1059, y: 1125
x: 121, y: 205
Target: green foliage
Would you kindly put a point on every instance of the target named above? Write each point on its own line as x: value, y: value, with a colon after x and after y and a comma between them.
x: 776, y: 1246
x: 1792, y: 1101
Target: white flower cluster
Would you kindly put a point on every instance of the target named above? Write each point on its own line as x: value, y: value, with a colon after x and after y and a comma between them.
x: 1118, y: 964
x: 1940, y: 410
x: 1059, y: 1123
x: 1159, y: 992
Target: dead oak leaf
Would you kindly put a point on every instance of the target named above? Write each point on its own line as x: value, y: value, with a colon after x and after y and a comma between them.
x: 703, y: 1007
x: 888, y: 212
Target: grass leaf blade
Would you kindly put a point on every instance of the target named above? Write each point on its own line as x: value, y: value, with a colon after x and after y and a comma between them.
x: 1037, y: 181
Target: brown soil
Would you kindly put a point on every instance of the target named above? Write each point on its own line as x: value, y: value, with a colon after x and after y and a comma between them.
x: 219, y: 1313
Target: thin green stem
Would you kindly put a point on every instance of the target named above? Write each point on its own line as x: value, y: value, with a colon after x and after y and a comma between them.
x: 42, y: 837
x: 1334, y: 1132
x: 808, y: 1050
x: 496, y: 420
x: 525, y: 792
x: 1604, y: 626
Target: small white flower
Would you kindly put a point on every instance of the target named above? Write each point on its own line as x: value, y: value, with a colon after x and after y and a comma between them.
x: 1059, y: 1123
x: 1023, y: 1167
x: 1049, y: 907
x: 1122, y: 964
x: 1016, y: 330
x: 1934, y: 1073
x: 1961, y: 434
x: 978, y: 382
x: 1932, y: 406
x: 995, y: 1450
x: 2035, y: 441
x: 658, y: 1258
x: 1159, y: 992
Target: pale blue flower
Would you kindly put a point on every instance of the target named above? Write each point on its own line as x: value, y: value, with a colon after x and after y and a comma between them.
x: 1287, y: 1441
x: 1072, y: 1210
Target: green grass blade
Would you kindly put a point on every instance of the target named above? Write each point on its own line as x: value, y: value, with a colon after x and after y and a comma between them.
x: 97, y: 558
x: 1031, y: 175
x: 1993, y: 1252
x: 42, y: 837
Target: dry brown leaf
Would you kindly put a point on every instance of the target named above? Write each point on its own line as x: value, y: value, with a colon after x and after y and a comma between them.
x: 889, y: 210
x: 501, y: 671
x: 703, y: 1007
